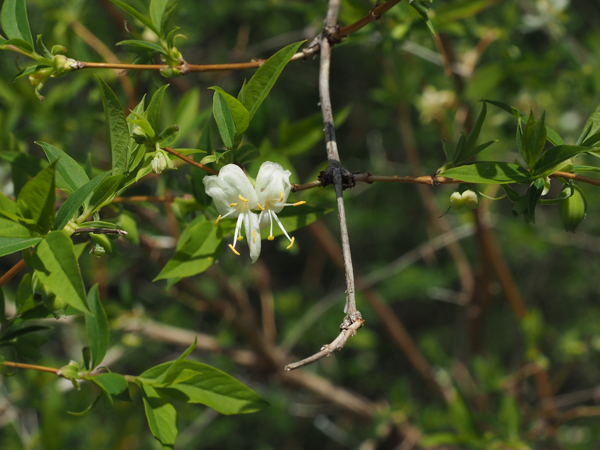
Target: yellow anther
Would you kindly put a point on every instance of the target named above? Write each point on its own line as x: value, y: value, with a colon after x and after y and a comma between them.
x: 234, y: 250
x: 260, y: 207
x: 271, y: 238
x: 217, y: 221
x: 231, y: 205
x: 242, y: 198
x: 254, y: 236
x: 281, y: 198
x: 291, y: 243
x: 240, y: 238
x: 300, y: 203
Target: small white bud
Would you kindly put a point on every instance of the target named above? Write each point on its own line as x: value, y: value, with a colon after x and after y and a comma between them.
x: 456, y: 201
x: 470, y: 199
x: 160, y: 162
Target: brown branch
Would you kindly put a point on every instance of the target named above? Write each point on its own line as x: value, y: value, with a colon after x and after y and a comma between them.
x: 580, y: 411
x: 312, y: 49
x: 29, y: 366
x: 574, y: 176
x: 375, y: 14
x: 190, y: 161
x: 12, y: 272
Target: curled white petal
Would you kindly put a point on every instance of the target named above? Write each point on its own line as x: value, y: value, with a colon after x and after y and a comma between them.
x: 231, y: 191
x: 252, y: 228
x: 272, y: 186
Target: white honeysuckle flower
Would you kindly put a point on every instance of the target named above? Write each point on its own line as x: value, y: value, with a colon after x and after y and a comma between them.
x: 234, y: 196
x: 272, y: 190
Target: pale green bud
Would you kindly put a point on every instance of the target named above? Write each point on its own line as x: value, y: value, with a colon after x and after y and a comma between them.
x: 456, y: 201
x: 471, y: 199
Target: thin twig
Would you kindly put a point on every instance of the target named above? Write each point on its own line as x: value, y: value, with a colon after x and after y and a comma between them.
x: 353, y: 320
x: 110, y: 231
x: 312, y: 49
x: 143, y: 198
x: 12, y: 272
x: 190, y: 161
x: 29, y: 366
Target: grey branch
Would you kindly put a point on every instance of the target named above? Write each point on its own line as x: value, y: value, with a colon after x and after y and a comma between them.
x: 353, y: 320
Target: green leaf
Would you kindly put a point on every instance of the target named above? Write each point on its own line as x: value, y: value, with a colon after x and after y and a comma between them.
x: 461, y: 418
x: 161, y: 415
x: 96, y: 325
x: 240, y: 114
x: 144, y: 46
x: 448, y: 149
x: 135, y: 13
x: 512, y: 195
x: 153, y: 111
x: 117, y: 131
x: 195, y: 382
x: 552, y: 135
x: 56, y: 265
x: 265, y: 77
x: 296, y: 217
x: 509, y: 417
x: 104, y: 193
x: 115, y: 385
x: 11, y: 229
x: 553, y: 158
x: 246, y: 153
x: 474, y: 134
x: 224, y: 118
x: 42, y: 48
x: 197, y: 249
x: 534, y: 139
x: 533, y: 195
x: 161, y: 13
x: 168, y: 136
x: 2, y: 311
x: 86, y: 410
x: 489, y: 172
x: 10, y: 245
x: 69, y: 170
x: 171, y: 374
x: 72, y: 204
x: 13, y: 334
x: 36, y: 200
x: 14, y: 21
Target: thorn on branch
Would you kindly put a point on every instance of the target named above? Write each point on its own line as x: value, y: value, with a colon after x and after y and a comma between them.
x: 326, y: 177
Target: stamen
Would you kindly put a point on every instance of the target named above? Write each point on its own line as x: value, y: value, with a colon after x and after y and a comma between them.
x: 260, y: 207
x: 234, y: 250
x: 217, y: 221
x: 231, y: 205
x: 254, y: 236
x: 281, y: 199
x: 240, y: 238
x: 291, y: 243
x: 299, y: 203
x: 273, y: 215
x: 242, y: 198
x: 271, y: 238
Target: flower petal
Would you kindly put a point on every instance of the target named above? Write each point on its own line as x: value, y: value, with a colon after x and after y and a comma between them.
x: 251, y: 223
x: 272, y: 180
x: 227, y: 187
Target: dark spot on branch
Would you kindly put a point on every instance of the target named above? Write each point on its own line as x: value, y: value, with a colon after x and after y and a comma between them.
x: 327, y: 176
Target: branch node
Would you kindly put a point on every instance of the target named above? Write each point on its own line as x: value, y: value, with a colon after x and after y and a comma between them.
x: 326, y: 177
x: 332, y: 35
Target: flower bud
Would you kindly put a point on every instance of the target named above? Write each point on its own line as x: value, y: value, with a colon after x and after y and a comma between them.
x: 63, y: 64
x: 161, y: 162
x: 456, y: 201
x: 572, y: 210
x: 97, y: 250
x: 471, y: 199
x: 170, y: 72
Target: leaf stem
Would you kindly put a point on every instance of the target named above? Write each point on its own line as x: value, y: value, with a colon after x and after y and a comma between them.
x: 29, y: 366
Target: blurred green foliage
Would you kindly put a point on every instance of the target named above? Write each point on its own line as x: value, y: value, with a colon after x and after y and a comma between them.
x: 390, y: 92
